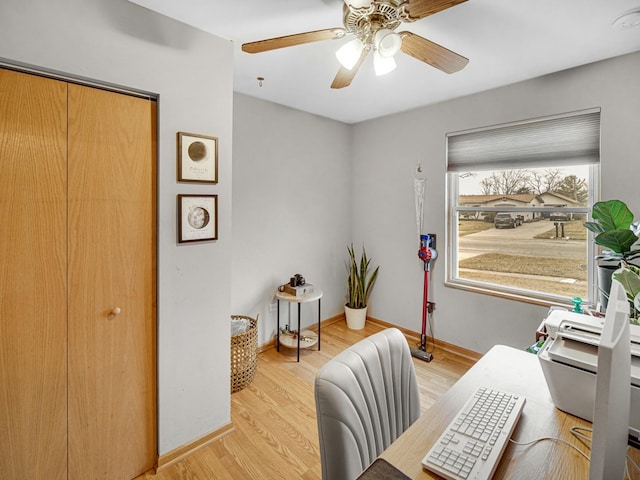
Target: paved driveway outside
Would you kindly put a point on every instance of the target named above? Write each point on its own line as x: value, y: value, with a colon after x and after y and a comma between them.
x: 521, y: 241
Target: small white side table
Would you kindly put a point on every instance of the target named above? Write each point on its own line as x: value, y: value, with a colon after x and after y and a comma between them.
x: 308, y: 297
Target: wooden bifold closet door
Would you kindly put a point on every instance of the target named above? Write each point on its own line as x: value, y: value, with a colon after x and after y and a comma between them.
x: 33, y: 277
x: 78, y: 281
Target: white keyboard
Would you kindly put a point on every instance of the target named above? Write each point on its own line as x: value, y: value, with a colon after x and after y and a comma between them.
x: 472, y: 444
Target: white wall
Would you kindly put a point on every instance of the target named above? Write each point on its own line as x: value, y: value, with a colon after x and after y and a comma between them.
x: 386, y: 151
x: 120, y: 43
x: 291, y: 208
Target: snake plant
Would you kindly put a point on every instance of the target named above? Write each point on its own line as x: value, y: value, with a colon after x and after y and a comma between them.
x: 359, y: 281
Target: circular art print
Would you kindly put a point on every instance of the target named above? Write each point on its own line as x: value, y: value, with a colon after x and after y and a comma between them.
x: 197, y: 158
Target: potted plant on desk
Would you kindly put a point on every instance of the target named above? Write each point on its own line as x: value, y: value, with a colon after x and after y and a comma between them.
x: 629, y: 277
x: 359, y: 285
x: 617, y: 233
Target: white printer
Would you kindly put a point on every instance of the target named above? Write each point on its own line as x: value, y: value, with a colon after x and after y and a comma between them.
x: 569, y: 360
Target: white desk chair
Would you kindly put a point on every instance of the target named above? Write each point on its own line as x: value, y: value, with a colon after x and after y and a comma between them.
x: 365, y: 398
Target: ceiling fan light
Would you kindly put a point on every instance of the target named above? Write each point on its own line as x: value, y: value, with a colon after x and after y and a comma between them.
x: 387, y: 42
x: 383, y: 65
x: 349, y: 53
x: 359, y: 3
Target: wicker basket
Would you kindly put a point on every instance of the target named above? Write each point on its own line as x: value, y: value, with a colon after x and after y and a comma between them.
x: 244, y: 354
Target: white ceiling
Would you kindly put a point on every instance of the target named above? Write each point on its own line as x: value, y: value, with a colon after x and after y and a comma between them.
x: 506, y: 41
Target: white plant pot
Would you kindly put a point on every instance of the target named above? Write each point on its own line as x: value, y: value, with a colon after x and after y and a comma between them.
x: 356, y: 317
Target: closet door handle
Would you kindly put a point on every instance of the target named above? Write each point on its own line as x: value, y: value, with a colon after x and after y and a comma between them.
x: 113, y: 313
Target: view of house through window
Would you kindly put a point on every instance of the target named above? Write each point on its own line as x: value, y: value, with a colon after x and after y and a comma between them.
x: 518, y: 196
x: 523, y: 229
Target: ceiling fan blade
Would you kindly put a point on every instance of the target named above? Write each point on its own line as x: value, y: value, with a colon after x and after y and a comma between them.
x: 291, y: 40
x: 432, y: 53
x: 344, y: 76
x: 423, y: 8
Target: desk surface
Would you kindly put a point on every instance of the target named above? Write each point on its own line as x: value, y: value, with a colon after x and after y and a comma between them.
x: 508, y: 369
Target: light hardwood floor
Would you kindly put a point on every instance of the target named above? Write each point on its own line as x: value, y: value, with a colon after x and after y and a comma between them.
x: 275, y: 432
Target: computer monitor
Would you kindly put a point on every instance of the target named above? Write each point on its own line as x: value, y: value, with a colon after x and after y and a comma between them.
x: 613, y: 391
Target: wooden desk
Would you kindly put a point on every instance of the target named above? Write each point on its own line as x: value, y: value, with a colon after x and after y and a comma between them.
x: 503, y: 368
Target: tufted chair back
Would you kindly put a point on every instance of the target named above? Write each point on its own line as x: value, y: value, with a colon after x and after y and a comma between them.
x: 365, y: 398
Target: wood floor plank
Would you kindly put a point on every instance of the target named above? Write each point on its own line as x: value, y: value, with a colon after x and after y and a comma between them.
x: 275, y: 433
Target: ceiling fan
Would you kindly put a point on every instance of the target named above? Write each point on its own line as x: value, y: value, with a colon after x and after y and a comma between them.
x: 373, y: 23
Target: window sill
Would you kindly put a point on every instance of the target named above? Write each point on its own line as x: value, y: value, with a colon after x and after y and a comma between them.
x: 533, y: 298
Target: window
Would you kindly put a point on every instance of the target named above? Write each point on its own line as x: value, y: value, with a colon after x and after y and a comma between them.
x: 517, y: 197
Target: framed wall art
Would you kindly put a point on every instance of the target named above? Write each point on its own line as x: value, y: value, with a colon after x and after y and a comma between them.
x: 197, y: 218
x: 197, y: 158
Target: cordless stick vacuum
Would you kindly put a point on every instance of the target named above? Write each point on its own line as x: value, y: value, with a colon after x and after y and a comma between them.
x: 427, y: 254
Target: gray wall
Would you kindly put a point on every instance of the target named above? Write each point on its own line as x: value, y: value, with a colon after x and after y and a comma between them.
x: 120, y: 43
x: 383, y: 195
x: 281, y: 154
x: 291, y: 208
x: 276, y: 155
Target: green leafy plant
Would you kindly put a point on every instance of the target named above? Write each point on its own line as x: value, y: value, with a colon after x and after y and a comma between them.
x: 618, y: 234
x: 359, y: 281
x: 615, y: 231
x: 629, y: 277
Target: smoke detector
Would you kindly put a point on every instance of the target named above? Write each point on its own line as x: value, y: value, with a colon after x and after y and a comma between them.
x: 628, y: 20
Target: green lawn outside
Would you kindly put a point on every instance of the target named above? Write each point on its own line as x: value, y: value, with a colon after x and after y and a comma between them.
x: 467, y: 227
x: 575, y: 230
x: 550, y: 267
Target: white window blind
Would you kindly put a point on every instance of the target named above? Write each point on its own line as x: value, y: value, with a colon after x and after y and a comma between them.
x: 568, y: 139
